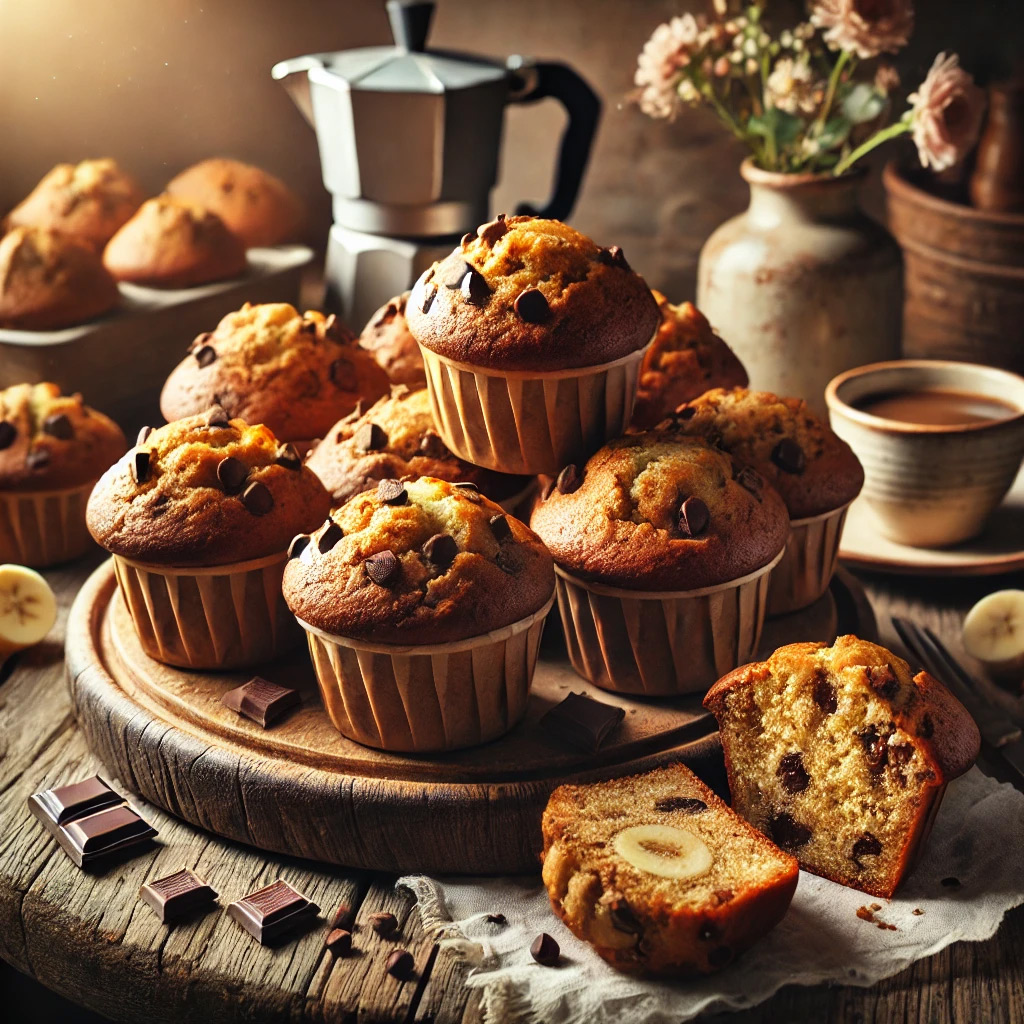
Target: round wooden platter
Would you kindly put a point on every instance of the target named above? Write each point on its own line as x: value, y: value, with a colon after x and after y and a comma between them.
x: 301, y: 788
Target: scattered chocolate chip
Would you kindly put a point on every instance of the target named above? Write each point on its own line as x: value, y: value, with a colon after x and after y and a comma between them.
x: 344, y: 917
x: 440, y: 550
x: 693, y: 517
x: 383, y: 923
x: 789, y: 456
x: 287, y: 456
x: 331, y: 535
x: 139, y: 465
x: 400, y: 964
x: 299, y: 544
x: 59, y: 426
x: 500, y: 528
x: 490, y: 233
x: 689, y: 804
x: 144, y: 433
x: 370, y: 438
x: 217, y: 417
x: 570, y: 479
x: 383, y: 568
x: 205, y: 355
x: 788, y: 833
x: 866, y: 846
x: 257, y: 499
x: 432, y: 446
x: 343, y: 374
x: 468, y: 237
x: 824, y: 695
x: 8, y: 432
x: 532, y: 307
x: 429, y: 292
x: 38, y: 458
x: 339, y: 942
x: 469, y: 491
x: 951, y: 882
x: 623, y: 919
x: 926, y: 729
x: 917, y: 911
x: 582, y: 722
x: 392, y: 492
x: 261, y: 700
x: 750, y: 480
x: 613, y: 256
x: 231, y: 473
x: 720, y: 957
x: 707, y: 932
x: 882, y: 680
x: 792, y: 774
x: 451, y: 271
x: 545, y: 950
x: 876, y: 750
x: 474, y: 289
x: 499, y: 919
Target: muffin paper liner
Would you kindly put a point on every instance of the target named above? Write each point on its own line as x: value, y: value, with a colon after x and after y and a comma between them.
x: 808, y: 563
x: 529, y: 422
x: 427, y: 697
x: 40, y: 528
x: 661, y: 644
x: 222, y: 616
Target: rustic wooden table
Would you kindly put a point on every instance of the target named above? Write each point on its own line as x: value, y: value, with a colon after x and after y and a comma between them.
x: 86, y: 935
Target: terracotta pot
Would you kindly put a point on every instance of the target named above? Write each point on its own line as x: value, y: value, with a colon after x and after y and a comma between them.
x: 803, y: 284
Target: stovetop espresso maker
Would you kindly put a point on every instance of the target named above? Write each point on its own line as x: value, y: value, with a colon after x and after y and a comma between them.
x: 409, y: 141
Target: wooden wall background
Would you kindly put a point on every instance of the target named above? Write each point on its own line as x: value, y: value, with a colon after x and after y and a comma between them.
x: 162, y: 83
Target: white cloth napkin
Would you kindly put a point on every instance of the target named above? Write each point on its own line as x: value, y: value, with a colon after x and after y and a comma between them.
x: 977, y: 839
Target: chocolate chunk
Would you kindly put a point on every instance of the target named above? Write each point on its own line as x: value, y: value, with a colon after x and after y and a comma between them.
x: 257, y: 499
x: 720, y: 957
x: 202, y: 339
x: 532, y: 307
x: 787, y: 833
x: 491, y: 232
x: 792, y: 774
x: 440, y: 550
x: 299, y: 544
x: 866, y: 846
x: 8, y: 432
x: 262, y: 701
x: 343, y: 374
x: 429, y: 293
x: 59, y: 426
x: 824, y: 695
x: 101, y: 834
x: 951, y: 882
x: 331, y: 535
x: 432, y: 446
x: 789, y: 456
x: 750, y: 480
x: 287, y: 456
x: 686, y: 412
x: 383, y: 568
x: 582, y: 722
x: 272, y: 912
x: 217, y: 417
x: 693, y: 517
x: 383, y: 923
x: 38, y: 458
x: 926, y: 728
x: 613, y: 256
x: 392, y: 492
x: 344, y: 917
x: 876, y: 750
x: 451, y: 271
x: 468, y: 237
x: 545, y: 950
x: 75, y: 800
x: 231, y: 473
x: 400, y: 964
x: 883, y: 681
x: 339, y: 942
x: 623, y: 919
x: 474, y: 289
x: 500, y: 528
x: 176, y: 896
x: 689, y: 804
x: 139, y: 465
x: 143, y: 437
x: 370, y: 438
x: 499, y: 919
x: 205, y: 355
x: 468, y: 491
x: 570, y: 479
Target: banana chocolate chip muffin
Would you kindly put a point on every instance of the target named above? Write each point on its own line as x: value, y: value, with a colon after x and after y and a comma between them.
x: 842, y: 756
x: 53, y: 448
x: 396, y: 438
x: 523, y: 308
x: 662, y: 546
x: 296, y: 373
x: 686, y: 359
x: 405, y: 572
x: 386, y: 336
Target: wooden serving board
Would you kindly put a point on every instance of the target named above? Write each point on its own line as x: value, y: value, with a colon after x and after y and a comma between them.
x: 301, y: 788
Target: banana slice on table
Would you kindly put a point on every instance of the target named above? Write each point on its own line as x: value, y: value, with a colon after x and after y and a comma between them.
x: 993, y: 632
x: 28, y: 608
x: 664, y: 850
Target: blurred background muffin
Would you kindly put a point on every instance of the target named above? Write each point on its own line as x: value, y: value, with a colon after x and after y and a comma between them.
x: 387, y: 336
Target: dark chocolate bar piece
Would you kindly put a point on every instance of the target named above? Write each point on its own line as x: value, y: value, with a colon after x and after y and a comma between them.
x: 176, y: 896
x: 98, y: 835
x: 273, y: 911
x: 582, y: 722
x: 262, y: 701
x: 56, y: 806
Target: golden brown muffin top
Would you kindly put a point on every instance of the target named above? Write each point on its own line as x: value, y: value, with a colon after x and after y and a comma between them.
x: 396, y: 438
x: 50, y: 441
x: 813, y: 469
x: 659, y: 511
x: 420, y: 562
x: 386, y: 335
x: 49, y: 280
x: 255, y: 205
x: 525, y: 293
x: 205, y: 491
x: 297, y: 373
x: 89, y: 201
x: 685, y: 360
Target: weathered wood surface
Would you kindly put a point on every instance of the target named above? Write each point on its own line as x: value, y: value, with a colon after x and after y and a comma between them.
x: 87, y: 936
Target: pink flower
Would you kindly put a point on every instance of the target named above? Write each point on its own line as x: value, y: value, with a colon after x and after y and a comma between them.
x: 946, y: 113
x: 660, y: 65
x: 867, y: 27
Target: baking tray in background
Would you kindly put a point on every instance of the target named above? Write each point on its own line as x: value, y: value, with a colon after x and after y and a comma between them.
x: 120, y: 361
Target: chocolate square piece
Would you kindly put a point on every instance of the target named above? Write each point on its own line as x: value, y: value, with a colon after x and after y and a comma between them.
x: 176, y: 896
x: 582, y: 722
x: 262, y: 701
x: 56, y: 806
x: 101, y: 834
x: 273, y: 911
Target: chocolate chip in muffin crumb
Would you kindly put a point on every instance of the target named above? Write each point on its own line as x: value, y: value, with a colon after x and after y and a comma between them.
x: 231, y: 473
x: 468, y: 491
x: 532, y: 307
x: 570, y: 479
x: 693, y: 517
x: 343, y: 374
x: 788, y: 833
x: 205, y: 355
x: 440, y: 550
x: 331, y: 535
x: 392, y: 492
x: 429, y: 293
x: 257, y: 499
x: 789, y: 456
x: 299, y: 544
x: 750, y: 480
x: 287, y: 456
x: 689, y: 804
x: 452, y: 270
x: 866, y: 846
x: 59, y: 426
x: 613, y: 256
x: 383, y: 568
x: 474, y: 289
x: 8, y: 432
x: 217, y: 417
x: 139, y: 465
x: 38, y: 458
x: 370, y: 438
x: 792, y: 774
x: 686, y: 412
x: 500, y: 528
x: 824, y: 695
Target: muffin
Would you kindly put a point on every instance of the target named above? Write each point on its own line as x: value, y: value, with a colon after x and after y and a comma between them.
x: 814, y: 471
x: 49, y: 281
x: 198, y: 516
x: 53, y: 448
x: 686, y: 359
x: 169, y: 243
x: 532, y: 337
x: 841, y: 756
x: 395, y: 438
x: 662, y: 548
x: 658, y: 875
x: 257, y: 207
x: 423, y: 604
x: 88, y: 201
x: 386, y: 336
x: 295, y: 373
